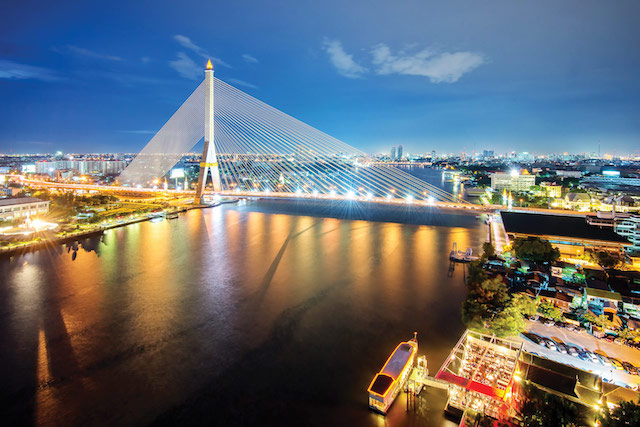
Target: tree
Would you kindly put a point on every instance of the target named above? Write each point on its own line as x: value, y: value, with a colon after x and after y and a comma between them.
x: 535, y: 249
x: 488, y: 250
x: 523, y: 304
x: 626, y: 414
x: 483, y: 301
x: 604, y: 259
x: 476, y: 274
x: 544, y: 409
x: 549, y: 310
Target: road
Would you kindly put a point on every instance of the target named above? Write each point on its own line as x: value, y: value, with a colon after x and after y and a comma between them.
x: 589, y: 342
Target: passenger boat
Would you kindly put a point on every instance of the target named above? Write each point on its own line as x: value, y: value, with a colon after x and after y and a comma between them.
x: 389, y: 381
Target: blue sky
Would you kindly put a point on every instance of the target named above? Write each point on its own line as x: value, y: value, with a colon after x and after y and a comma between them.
x: 544, y: 76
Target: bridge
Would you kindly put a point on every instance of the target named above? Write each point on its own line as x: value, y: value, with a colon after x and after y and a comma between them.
x: 252, y: 149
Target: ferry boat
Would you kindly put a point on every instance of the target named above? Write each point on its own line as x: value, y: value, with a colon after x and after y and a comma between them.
x: 391, y: 379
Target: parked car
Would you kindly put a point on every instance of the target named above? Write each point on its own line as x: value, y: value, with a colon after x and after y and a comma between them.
x: 560, y: 345
x: 550, y: 344
x: 630, y: 368
x: 616, y: 363
x: 583, y: 356
x: 573, y: 351
x: 619, y: 340
x: 534, y: 337
x: 591, y: 356
x: 609, y: 338
x: 549, y: 322
x: 604, y: 360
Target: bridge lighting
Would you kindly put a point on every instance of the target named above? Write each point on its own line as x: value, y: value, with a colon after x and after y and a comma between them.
x: 332, y: 193
x: 315, y: 193
x: 369, y: 195
x: 298, y: 192
x: 389, y: 196
x: 350, y: 194
x: 409, y: 199
x: 267, y: 190
x: 431, y: 200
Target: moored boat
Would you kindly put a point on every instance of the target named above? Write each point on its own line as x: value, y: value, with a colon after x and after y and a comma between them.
x: 391, y: 379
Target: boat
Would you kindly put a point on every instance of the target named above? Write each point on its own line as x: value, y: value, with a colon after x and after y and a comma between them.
x: 157, y: 217
x: 392, y: 377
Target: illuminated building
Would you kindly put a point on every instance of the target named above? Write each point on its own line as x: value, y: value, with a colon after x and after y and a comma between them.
x: 512, y: 181
x: 22, y: 207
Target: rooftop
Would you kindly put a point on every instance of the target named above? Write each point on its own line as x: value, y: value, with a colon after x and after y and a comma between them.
x: 557, y: 225
x: 19, y: 201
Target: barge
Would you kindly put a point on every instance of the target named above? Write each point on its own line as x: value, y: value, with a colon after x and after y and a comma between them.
x: 392, y: 377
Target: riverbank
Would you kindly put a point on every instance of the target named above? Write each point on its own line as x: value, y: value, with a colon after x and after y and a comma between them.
x: 69, y: 237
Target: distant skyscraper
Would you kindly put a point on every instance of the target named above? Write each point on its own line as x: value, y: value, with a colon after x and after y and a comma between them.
x: 399, y: 152
x: 393, y: 153
x: 433, y: 155
x: 487, y: 154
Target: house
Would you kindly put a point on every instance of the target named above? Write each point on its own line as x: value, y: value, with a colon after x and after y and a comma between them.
x: 557, y: 299
x: 600, y: 301
x: 577, y: 201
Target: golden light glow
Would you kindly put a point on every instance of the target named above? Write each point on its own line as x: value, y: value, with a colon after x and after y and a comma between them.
x: 209, y: 65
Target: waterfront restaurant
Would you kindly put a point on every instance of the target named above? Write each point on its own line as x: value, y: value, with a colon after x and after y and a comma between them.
x: 481, y: 371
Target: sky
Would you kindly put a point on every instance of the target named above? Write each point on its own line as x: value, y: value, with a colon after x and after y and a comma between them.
x: 451, y: 76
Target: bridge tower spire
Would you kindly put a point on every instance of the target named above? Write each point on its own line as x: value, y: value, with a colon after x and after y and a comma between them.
x: 209, y: 163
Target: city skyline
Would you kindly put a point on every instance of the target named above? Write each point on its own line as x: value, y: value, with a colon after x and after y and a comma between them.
x: 561, y: 82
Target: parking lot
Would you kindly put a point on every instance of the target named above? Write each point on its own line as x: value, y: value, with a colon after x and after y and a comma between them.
x: 584, y: 341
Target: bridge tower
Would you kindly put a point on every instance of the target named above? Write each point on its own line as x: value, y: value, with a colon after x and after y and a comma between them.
x: 209, y: 163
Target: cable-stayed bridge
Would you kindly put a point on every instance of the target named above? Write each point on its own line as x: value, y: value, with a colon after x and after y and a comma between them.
x: 253, y: 149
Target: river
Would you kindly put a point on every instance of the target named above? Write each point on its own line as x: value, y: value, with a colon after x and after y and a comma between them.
x: 262, y: 312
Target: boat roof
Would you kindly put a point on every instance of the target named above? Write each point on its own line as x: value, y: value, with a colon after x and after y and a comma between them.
x: 398, y: 360
x: 381, y: 384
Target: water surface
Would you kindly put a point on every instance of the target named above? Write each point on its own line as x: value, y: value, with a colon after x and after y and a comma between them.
x: 240, y: 314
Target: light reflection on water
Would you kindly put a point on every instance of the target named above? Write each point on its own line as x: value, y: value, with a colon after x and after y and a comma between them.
x: 243, y: 311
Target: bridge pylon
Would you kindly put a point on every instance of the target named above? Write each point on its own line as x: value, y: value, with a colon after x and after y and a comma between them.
x: 209, y: 163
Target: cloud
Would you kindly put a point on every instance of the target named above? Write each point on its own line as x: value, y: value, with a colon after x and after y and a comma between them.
x: 188, y: 44
x: 340, y: 59
x: 438, y: 67
x: 145, y: 59
x: 15, y: 71
x: 250, y: 59
x: 186, y: 67
x: 91, y: 54
x: 238, y: 82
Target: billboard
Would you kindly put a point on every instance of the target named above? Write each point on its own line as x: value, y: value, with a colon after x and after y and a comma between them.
x: 29, y: 168
x: 177, y: 173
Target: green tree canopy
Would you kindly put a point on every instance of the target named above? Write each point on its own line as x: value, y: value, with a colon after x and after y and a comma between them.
x: 604, y: 259
x: 626, y: 414
x: 488, y: 250
x: 544, y: 409
x: 535, y: 249
x: 549, y: 310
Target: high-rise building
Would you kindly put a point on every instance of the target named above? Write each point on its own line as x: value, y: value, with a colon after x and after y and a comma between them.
x: 393, y: 153
x: 487, y: 154
x: 512, y: 181
x: 433, y: 155
x: 399, y: 152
